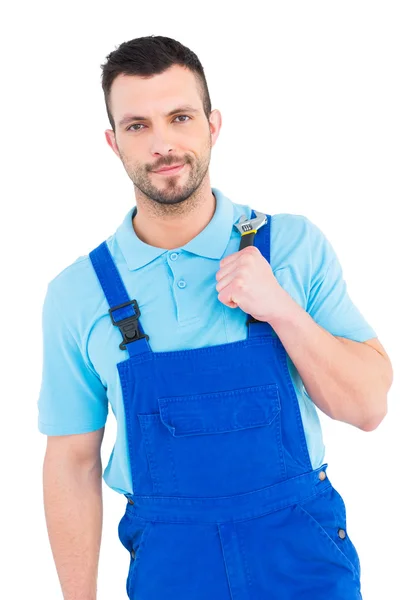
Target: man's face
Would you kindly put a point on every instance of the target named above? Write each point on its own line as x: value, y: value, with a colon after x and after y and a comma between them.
x: 160, y: 123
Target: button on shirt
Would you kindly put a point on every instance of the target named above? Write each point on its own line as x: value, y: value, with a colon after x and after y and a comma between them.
x: 177, y: 296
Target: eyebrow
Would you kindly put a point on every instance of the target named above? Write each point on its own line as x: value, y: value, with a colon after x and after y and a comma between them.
x: 131, y: 117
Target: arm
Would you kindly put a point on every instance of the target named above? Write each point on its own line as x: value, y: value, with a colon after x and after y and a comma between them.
x: 72, y: 479
x: 347, y: 380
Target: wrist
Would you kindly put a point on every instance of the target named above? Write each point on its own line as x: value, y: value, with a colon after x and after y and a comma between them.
x: 287, y: 311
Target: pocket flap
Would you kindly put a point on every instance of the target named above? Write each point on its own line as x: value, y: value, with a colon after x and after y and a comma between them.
x: 220, y: 412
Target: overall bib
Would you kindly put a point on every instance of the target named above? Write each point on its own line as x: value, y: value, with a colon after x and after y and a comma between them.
x: 226, y: 504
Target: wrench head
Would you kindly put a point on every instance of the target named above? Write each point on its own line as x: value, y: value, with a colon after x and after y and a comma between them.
x: 243, y: 224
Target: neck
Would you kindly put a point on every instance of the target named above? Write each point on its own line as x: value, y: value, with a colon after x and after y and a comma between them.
x: 172, y: 226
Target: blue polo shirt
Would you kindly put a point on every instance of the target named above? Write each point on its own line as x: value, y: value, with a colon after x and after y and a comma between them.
x: 177, y: 296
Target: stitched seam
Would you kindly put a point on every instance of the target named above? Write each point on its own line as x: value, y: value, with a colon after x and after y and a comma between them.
x: 296, y: 408
x: 327, y: 537
x: 287, y: 504
x: 222, y: 395
x: 138, y: 554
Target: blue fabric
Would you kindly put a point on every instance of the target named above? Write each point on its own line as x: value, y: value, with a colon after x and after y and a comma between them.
x: 180, y: 310
x: 225, y: 502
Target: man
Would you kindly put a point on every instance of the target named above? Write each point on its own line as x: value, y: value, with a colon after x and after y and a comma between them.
x: 219, y: 449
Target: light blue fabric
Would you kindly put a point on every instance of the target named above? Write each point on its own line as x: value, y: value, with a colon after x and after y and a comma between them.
x: 175, y: 290
x: 221, y: 473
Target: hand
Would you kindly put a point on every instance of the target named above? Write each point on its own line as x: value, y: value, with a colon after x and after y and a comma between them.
x: 246, y: 280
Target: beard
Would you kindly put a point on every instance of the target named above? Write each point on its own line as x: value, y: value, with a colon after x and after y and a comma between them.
x: 172, y: 189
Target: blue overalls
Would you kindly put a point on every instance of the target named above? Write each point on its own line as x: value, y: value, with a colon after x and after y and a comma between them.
x: 226, y: 504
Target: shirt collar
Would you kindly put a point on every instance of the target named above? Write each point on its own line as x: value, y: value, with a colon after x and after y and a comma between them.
x: 209, y: 243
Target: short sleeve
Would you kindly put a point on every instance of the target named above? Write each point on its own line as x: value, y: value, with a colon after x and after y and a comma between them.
x: 329, y: 303
x: 72, y: 398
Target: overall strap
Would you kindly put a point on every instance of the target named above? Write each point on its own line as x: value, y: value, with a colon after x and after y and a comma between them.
x: 124, y: 312
x: 262, y: 241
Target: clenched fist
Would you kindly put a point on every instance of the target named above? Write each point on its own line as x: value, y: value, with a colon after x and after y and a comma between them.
x: 246, y: 280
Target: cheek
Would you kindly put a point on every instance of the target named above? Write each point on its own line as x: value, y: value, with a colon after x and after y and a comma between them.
x: 195, y: 138
x: 136, y: 160
x: 135, y: 152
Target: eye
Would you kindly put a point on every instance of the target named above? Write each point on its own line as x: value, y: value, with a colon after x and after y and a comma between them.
x: 134, y: 125
x: 182, y: 117
x: 141, y: 125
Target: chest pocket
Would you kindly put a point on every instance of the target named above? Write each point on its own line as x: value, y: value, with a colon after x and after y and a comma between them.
x: 220, y: 412
x: 217, y: 443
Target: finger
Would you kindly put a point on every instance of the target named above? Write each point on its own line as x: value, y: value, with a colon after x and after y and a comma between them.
x: 228, y: 259
x: 227, y: 299
x: 226, y: 269
x: 248, y: 250
x: 226, y: 280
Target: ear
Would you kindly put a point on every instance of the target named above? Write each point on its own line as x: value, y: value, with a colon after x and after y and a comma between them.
x: 215, y: 121
x: 110, y: 137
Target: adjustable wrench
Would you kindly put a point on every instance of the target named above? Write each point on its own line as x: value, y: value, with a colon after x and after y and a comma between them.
x: 249, y: 227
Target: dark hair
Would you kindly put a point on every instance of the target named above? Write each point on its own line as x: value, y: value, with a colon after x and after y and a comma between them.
x: 146, y: 56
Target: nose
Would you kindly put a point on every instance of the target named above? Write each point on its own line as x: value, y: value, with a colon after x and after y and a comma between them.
x: 161, y: 144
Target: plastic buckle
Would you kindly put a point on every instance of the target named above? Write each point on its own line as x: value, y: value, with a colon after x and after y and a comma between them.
x: 129, y: 327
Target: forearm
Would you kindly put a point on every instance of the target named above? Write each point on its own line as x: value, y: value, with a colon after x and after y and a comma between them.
x: 347, y: 380
x: 73, y: 510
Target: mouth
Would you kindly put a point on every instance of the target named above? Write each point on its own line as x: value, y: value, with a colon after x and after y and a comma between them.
x: 169, y: 170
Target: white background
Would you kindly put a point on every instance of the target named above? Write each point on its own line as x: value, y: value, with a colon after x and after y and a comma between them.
x: 309, y: 95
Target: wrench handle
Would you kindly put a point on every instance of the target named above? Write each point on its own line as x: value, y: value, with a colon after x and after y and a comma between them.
x: 247, y: 240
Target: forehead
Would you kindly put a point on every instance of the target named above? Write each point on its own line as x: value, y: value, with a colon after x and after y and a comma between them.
x: 157, y: 93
